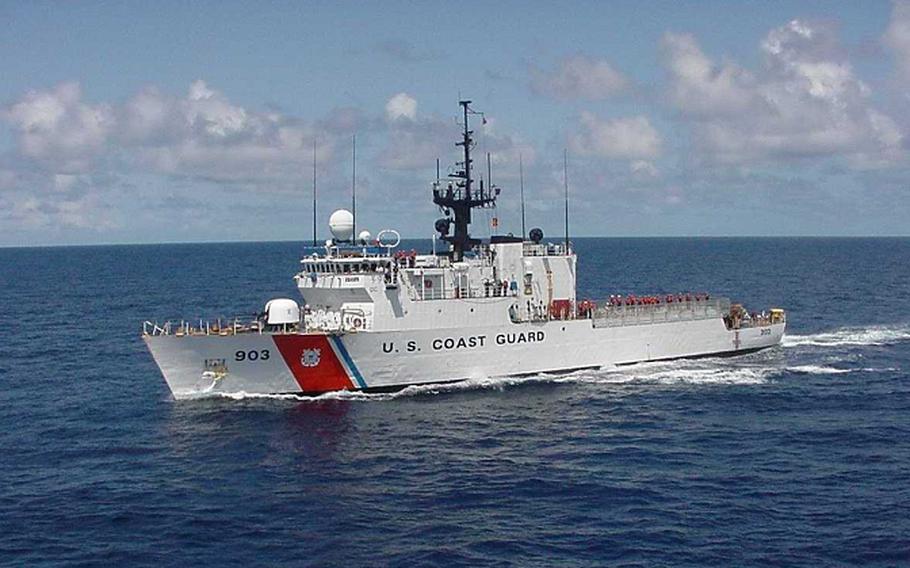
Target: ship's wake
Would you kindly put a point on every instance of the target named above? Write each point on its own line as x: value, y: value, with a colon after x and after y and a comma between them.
x: 706, y: 372
x: 816, y: 354
x: 851, y: 336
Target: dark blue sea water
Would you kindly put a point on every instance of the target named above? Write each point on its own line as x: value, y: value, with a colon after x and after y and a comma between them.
x: 795, y: 456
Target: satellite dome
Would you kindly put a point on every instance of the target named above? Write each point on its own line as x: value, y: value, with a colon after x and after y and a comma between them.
x: 341, y: 224
x: 364, y: 237
x: 282, y: 311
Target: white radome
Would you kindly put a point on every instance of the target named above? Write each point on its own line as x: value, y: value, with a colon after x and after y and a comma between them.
x: 341, y: 224
x: 282, y: 311
x: 364, y: 236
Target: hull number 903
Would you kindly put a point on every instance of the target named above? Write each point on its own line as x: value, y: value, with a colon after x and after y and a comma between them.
x: 252, y: 355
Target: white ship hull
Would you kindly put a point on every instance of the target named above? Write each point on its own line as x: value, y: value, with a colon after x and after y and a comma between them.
x: 313, y: 363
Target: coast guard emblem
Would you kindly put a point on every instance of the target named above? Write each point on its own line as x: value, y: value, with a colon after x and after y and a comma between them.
x: 310, y: 357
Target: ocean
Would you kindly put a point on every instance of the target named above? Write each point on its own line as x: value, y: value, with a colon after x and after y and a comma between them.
x: 794, y: 456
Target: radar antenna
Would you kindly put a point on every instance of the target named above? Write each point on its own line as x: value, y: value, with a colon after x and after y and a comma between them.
x: 457, y: 196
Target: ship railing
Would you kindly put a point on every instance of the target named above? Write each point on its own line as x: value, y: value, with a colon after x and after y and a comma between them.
x: 545, y: 249
x: 437, y: 293
x: 152, y: 328
x: 618, y: 316
x: 746, y: 320
x: 219, y: 326
x: 318, y: 321
x: 460, y: 293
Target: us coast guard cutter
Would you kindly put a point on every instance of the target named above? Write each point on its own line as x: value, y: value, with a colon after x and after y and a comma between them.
x: 377, y: 318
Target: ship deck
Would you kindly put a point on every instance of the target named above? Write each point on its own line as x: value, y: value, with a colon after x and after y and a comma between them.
x: 613, y: 314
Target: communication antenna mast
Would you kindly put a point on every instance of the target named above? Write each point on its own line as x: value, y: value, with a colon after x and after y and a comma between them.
x: 565, y: 177
x: 314, y: 191
x: 495, y: 221
x: 459, y: 196
x: 521, y: 185
x: 354, y: 186
x: 489, y: 171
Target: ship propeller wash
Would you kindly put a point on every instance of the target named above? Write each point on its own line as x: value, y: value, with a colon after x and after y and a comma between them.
x: 375, y: 317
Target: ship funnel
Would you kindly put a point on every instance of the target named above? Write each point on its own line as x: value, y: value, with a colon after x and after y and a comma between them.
x: 341, y: 224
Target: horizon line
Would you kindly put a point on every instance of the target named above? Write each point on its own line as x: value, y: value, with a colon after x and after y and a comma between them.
x: 304, y: 241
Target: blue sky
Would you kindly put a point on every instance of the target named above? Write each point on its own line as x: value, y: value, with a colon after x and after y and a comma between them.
x: 151, y: 122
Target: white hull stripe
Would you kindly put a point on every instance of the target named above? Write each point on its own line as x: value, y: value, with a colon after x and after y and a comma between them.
x: 342, y: 353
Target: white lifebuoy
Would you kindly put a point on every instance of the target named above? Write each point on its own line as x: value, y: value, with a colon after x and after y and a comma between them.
x: 357, y: 323
x: 389, y: 244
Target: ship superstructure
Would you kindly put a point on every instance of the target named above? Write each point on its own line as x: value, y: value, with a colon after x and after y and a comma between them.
x: 375, y: 316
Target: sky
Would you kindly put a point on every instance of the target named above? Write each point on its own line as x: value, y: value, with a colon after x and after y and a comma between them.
x: 144, y: 122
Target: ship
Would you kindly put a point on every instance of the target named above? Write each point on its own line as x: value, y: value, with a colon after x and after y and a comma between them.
x: 376, y: 317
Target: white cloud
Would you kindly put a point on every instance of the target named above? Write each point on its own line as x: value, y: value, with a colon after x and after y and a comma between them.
x: 804, y: 101
x: 621, y: 138
x: 202, y: 134
x: 56, y: 128
x: 212, y: 112
x: 74, y: 155
x: 401, y: 105
x: 699, y: 86
x: 149, y: 117
x: 205, y: 135
x: 54, y: 203
x: 68, y: 149
x: 579, y: 77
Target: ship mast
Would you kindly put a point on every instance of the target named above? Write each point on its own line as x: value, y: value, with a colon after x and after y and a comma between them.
x: 458, y: 201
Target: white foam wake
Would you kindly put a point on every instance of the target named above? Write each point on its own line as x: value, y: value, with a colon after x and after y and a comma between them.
x: 820, y: 370
x: 695, y: 372
x: 655, y: 374
x: 416, y: 390
x: 875, y: 335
